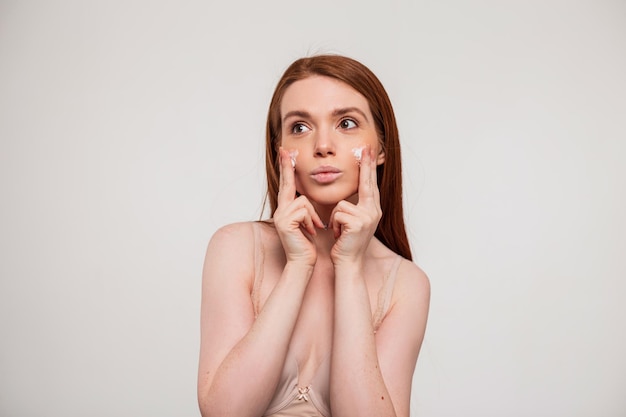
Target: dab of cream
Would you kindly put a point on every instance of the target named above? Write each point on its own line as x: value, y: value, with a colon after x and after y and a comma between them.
x: 358, y: 153
x: 293, y: 154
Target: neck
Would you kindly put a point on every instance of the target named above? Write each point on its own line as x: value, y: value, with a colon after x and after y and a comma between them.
x: 325, y: 210
x: 325, y: 238
x: 324, y: 241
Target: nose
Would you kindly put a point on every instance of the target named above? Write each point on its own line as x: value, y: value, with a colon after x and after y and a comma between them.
x: 324, y: 144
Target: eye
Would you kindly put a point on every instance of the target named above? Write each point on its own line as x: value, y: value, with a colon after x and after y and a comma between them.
x: 298, y: 128
x: 347, y: 124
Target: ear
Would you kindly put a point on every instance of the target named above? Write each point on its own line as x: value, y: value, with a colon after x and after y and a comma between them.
x: 381, y: 157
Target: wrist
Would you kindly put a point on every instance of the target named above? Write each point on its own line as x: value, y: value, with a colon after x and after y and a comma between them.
x: 349, y: 267
x: 298, y: 267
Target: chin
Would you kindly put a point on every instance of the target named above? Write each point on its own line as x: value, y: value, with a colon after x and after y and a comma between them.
x: 330, y: 197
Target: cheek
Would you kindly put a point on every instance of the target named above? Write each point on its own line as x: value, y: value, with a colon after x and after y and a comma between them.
x: 352, y: 173
x: 358, y: 153
x: 298, y: 180
x: 295, y: 148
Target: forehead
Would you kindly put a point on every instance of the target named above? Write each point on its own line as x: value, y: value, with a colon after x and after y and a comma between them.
x: 320, y: 94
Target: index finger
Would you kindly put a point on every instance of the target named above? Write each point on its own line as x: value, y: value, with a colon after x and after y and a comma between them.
x: 286, y: 180
x: 367, y: 175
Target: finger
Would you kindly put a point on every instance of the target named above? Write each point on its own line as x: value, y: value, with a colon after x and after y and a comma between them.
x: 374, y: 174
x: 304, y: 220
x: 286, y: 183
x: 334, y: 224
x: 340, y: 216
x: 315, y: 218
x: 365, y: 176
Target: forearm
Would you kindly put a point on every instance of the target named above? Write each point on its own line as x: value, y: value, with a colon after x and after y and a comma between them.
x: 245, y: 381
x: 357, y: 386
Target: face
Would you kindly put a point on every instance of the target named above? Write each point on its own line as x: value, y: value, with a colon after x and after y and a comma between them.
x: 326, y: 123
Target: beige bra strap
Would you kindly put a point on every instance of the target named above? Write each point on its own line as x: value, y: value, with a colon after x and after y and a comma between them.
x: 259, y: 258
x: 385, y: 293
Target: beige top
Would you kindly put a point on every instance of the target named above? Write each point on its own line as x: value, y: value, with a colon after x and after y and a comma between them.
x: 313, y: 400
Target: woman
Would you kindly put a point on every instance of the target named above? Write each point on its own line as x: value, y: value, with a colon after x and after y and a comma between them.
x: 318, y: 311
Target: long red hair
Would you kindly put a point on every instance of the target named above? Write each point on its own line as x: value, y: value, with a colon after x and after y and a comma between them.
x: 391, y: 229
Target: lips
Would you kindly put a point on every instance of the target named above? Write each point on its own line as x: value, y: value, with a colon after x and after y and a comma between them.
x: 325, y: 174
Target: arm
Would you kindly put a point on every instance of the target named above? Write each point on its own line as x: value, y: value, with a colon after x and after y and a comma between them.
x: 371, y: 374
x: 399, y: 337
x: 236, y: 350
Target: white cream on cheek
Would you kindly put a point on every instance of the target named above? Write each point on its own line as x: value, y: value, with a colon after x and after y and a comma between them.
x: 293, y: 155
x: 358, y: 152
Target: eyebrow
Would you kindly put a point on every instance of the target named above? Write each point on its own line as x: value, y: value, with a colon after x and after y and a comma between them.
x: 346, y: 110
x: 335, y: 113
x: 296, y: 113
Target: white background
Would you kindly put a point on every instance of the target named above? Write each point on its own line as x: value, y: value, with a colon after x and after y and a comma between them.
x: 131, y: 130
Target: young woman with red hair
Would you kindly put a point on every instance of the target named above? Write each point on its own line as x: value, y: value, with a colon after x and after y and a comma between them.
x: 318, y: 311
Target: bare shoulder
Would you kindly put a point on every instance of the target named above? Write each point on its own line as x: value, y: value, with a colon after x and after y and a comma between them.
x: 400, y: 335
x: 232, y: 247
x: 405, y: 324
x: 230, y: 252
x: 233, y: 234
x: 412, y: 284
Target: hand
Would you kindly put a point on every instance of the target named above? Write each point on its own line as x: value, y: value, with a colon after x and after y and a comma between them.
x: 354, y: 225
x: 295, y: 218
